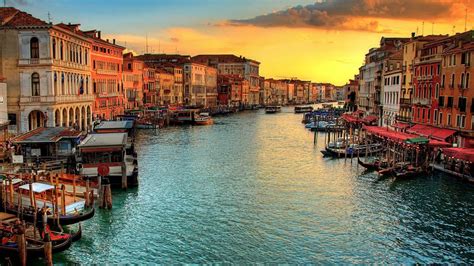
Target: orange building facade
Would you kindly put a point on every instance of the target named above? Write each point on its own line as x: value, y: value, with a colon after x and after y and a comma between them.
x: 133, y: 81
x: 106, y: 72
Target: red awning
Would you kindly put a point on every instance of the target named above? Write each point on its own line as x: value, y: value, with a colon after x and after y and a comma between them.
x: 370, y: 119
x: 464, y: 154
x: 432, y: 132
x: 349, y: 118
x: 400, y: 125
x: 401, y: 136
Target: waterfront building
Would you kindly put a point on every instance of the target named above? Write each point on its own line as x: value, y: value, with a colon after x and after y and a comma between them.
x: 313, y: 93
x: 200, y: 85
x: 275, y: 92
x: 150, y: 94
x: 350, y: 93
x: 410, y: 51
x: 3, y: 102
x: 227, y: 64
x: 106, y: 72
x: 339, y: 91
x: 133, y: 81
x: 391, y: 88
x: 230, y: 90
x: 455, y: 104
x: 48, y: 69
x: 165, y: 87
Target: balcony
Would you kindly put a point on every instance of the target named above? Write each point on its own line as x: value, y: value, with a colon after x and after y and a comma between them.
x: 62, y: 63
x: 106, y: 72
x: 34, y: 61
x: 428, y: 77
x: 56, y: 99
x: 404, y: 101
x: 428, y: 58
x: 421, y: 101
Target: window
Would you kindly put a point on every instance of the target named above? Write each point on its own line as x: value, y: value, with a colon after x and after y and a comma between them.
x: 442, y: 80
x: 35, y: 84
x: 435, y: 117
x: 437, y: 90
x: 440, y: 120
x: 12, y: 119
x: 448, y: 121
x: 441, y: 101
x: 453, y: 77
x: 466, y: 81
x: 54, y: 48
x: 461, y: 84
x: 450, y: 102
x: 61, y: 52
x: 462, y: 102
x: 34, y: 48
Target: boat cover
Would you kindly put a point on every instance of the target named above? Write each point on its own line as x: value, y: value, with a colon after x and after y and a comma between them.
x: 37, y: 187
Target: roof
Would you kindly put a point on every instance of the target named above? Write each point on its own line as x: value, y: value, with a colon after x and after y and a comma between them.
x: 464, y: 154
x: 12, y: 17
x: 37, y: 187
x: 221, y: 58
x: 102, y: 140
x: 46, y: 135
x: 114, y: 125
x: 431, y: 132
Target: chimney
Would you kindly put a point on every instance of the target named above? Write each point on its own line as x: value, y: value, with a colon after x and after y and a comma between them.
x: 99, y: 34
x: 113, y: 41
x: 413, y: 35
x: 107, y: 40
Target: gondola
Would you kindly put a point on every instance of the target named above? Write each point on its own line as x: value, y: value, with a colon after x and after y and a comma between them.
x: 372, y: 166
x: 34, y: 248
x: 67, y: 219
x: 355, y: 150
x: 408, y: 172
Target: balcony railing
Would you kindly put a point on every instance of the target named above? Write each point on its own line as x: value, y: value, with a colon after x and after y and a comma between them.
x: 56, y: 99
x: 404, y: 101
x: 34, y: 61
x: 67, y: 64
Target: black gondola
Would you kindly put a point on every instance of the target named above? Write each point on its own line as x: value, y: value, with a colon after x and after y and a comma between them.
x: 67, y: 219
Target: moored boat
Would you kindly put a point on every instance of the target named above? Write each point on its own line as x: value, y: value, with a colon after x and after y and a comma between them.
x: 272, y: 109
x: 374, y: 165
x: 203, y: 119
x: 353, y: 150
x: 303, y: 109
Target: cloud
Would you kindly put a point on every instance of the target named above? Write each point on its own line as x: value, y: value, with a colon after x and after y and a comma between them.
x: 346, y: 14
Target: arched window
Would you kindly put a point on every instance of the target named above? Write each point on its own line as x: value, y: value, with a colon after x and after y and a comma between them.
x: 61, y: 50
x: 437, y: 91
x: 35, y: 84
x: 461, y: 85
x: 34, y: 47
x: 467, y: 81
x: 54, y: 48
x: 85, y: 57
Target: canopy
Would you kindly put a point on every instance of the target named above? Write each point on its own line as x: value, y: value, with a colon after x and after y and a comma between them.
x: 403, y: 137
x: 431, y: 132
x: 401, y: 125
x: 417, y: 141
x: 37, y: 187
x: 464, y: 154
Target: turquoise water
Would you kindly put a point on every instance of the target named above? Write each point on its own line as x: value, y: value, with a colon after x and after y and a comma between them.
x: 253, y: 189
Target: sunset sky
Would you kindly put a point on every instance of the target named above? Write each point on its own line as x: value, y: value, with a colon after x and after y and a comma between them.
x: 322, y: 41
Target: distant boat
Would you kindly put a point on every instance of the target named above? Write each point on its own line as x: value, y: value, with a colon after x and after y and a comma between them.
x: 327, y: 105
x: 303, y: 109
x: 272, y: 109
x: 203, y: 119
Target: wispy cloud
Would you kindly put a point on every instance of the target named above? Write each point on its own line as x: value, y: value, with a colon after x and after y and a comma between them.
x: 358, y: 15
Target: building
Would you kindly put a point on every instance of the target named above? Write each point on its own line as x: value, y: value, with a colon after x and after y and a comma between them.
x: 106, y: 72
x: 275, y: 92
x: 49, y: 72
x: 150, y: 92
x: 370, y: 81
x: 455, y: 104
x: 133, y: 81
x: 391, y: 88
x: 410, y: 52
x: 165, y: 87
x: 3, y: 102
x: 227, y: 64
x: 313, y: 93
x: 200, y: 85
x: 351, y: 90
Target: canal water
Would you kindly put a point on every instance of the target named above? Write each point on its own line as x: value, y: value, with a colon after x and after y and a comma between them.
x: 253, y: 189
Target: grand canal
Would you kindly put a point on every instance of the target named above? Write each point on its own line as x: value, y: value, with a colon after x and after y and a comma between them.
x: 253, y: 189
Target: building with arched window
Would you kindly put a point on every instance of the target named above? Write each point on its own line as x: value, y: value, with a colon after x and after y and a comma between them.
x: 48, y: 72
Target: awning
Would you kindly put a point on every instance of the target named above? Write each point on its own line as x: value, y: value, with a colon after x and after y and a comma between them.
x: 37, y: 187
x: 464, y: 154
x: 370, y: 119
x: 400, y: 125
x: 432, y: 132
x: 402, y: 136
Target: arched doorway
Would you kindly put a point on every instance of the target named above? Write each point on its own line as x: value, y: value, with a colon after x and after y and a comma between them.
x: 64, y: 118
x: 36, y: 119
x: 71, y: 117
x: 77, y: 118
x: 89, y: 116
x: 84, y: 118
x: 57, y: 118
